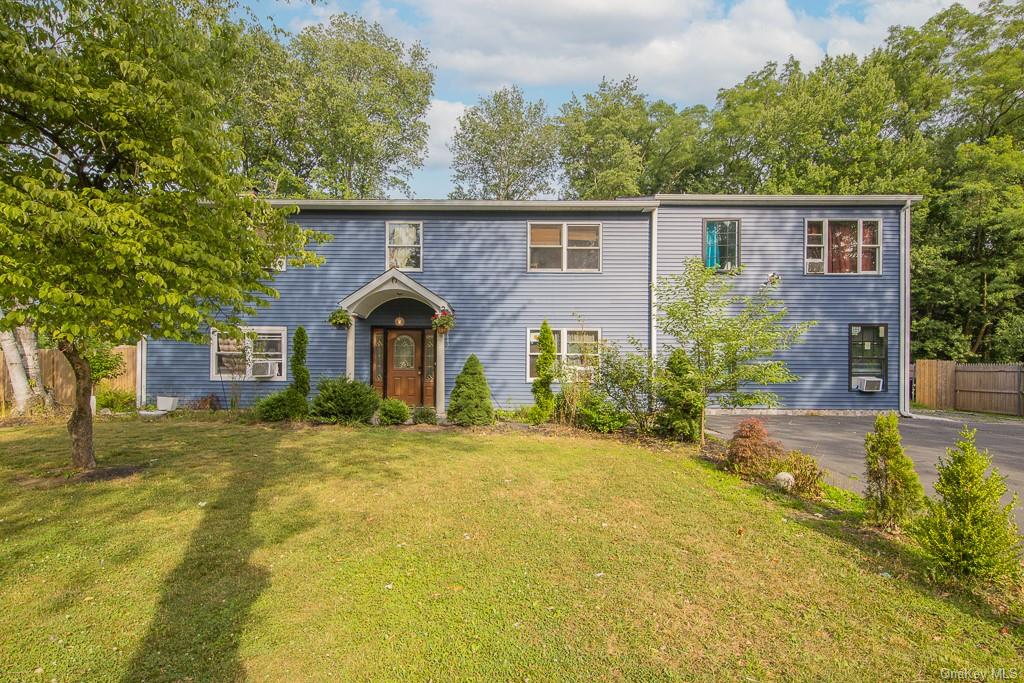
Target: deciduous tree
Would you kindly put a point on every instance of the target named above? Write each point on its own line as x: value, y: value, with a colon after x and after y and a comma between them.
x: 337, y: 110
x: 123, y: 211
x: 505, y: 147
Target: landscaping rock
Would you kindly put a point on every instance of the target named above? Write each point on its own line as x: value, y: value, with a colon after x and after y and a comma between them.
x: 785, y: 481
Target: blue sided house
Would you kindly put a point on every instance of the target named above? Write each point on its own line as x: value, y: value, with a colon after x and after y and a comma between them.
x: 588, y: 268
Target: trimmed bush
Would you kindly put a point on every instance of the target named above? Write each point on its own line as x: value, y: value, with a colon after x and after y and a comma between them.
x: 892, y: 490
x: 751, y: 452
x: 807, y: 474
x: 117, y: 400
x: 345, y: 401
x: 471, y: 397
x: 628, y: 380
x: 300, y: 373
x: 392, y: 412
x: 543, y: 397
x: 598, y: 414
x: 424, y: 415
x: 682, y: 401
x: 283, y: 405
x: 967, y: 531
x: 754, y: 455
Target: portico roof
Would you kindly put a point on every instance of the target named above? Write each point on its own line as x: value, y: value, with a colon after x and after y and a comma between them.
x: 389, y: 285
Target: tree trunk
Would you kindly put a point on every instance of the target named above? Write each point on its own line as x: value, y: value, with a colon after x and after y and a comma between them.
x: 15, y: 370
x: 703, y: 412
x: 80, y: 424
x: 30, y: 353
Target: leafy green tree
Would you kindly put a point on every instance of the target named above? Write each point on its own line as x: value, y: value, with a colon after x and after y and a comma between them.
x: 505, y: 147
x: 602, y: 139
x: 123, y: 213
x: 1008, y: 339
x: 337, y: 110
x: 731, y: 340
x: 968, y: 531
x: 969, y: 267
x: 614, y: 142
x: 827, y: 130
x: 471, y: 396
x: 893, y: 491
x: 543, y: 397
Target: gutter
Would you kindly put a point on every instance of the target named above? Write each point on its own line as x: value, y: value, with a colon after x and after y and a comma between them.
x: 630, y: 205
x: 904, y: 404
x: 787, y: 199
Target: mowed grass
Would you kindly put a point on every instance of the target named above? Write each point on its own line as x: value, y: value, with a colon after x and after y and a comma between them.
x: 334, y: 554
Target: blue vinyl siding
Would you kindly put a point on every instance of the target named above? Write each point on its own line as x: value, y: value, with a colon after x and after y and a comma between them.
x: 476, y: 261
x: 771, y: 240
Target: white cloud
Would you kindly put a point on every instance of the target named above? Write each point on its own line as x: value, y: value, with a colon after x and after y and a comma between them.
x: 684, y: 50
x: 442, y: 117
x: 844, y: 34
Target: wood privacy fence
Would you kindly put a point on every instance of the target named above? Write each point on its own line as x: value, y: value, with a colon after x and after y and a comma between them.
x: 59, y: 378
x: 982, y: 387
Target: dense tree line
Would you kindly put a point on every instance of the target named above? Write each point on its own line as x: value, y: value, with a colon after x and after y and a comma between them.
x: 936, y: 110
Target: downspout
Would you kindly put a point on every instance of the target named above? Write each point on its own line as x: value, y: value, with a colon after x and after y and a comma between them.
x: 904, y: 405
x: 140, y: 373
x: 653, y: 317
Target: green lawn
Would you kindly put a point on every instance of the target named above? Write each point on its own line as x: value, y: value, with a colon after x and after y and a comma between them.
x: 278, y: 554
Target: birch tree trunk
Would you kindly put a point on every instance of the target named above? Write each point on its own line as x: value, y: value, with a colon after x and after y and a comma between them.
x: 30, y: 353
x: 15, y: 370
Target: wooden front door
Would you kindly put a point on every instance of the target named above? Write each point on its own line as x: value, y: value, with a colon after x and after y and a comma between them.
x: 405, y: 365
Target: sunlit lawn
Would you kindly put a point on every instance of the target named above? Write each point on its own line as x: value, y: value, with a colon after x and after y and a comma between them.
x: 283, y: 554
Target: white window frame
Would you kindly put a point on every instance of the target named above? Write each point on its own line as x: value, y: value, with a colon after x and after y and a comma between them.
x: 565, y: 247
x: 388, y: 245
x: 563, y: 336
x: 860, y: 244
x: 249, y: 332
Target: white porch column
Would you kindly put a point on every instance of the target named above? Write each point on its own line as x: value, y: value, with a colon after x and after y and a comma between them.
x: 439, y: 377
x: 350, y: 351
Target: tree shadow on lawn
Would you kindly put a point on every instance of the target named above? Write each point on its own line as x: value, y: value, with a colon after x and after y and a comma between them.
x: 878, y: 554
x: 206, y: 600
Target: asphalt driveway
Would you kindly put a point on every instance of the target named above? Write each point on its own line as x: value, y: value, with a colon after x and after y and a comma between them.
x: 838, y: 443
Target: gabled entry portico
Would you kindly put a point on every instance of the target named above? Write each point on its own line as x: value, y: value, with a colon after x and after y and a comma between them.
x: 405, y: 352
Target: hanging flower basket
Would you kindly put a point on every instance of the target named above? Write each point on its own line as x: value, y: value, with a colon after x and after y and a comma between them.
x: 443, y: 320
x: 340, y: 318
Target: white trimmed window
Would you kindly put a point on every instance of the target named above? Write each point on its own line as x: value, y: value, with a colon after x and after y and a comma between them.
x: 260, y: 354
x: 564, y: 247
x: 405, y: 246
x: 842, y: 246
x: 574, y: 349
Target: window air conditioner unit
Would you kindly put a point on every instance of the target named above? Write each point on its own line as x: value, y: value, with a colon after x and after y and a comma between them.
x: 868, y: 384
x: 263, y: 369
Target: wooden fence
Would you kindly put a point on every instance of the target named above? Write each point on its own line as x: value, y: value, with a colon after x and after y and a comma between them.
x: 982, y: 387
x: 59, y: 378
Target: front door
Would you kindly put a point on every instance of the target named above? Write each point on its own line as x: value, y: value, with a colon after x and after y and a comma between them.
x: 405, y: 365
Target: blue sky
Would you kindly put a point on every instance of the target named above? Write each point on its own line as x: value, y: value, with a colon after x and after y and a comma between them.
x: 680, y: 50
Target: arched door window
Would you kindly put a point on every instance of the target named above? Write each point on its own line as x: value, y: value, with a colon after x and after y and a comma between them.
x: 403, y: 353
